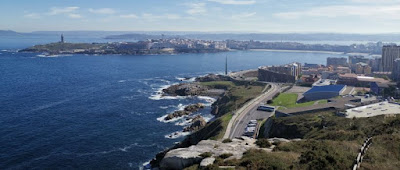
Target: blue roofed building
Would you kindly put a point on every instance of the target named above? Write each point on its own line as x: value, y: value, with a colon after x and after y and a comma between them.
x: 324, y: 92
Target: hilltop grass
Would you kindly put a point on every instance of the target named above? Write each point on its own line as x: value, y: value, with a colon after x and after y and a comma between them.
x: 289, y: 100
x: 65, y: 46
x: 224, y: 124
x: 328, y: 142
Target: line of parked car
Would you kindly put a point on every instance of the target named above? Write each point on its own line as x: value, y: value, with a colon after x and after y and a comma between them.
x: 251, y: 128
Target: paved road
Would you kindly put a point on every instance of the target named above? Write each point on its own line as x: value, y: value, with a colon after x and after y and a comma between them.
x: 251, y: 112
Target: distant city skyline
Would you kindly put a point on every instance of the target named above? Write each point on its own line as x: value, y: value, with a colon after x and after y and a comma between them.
x: 274, y: 16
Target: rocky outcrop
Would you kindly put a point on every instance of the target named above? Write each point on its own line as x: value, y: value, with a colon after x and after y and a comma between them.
x: 207, y: 161
x: 187, y: 89
x: 197, y: 123
x: 186, y: 111
x: 184, y: 157
x: 213, y: 77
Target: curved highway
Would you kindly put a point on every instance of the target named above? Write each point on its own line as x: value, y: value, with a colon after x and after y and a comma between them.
x: 251, y: 112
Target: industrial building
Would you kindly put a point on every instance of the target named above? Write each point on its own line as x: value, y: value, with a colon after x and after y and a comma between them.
x: 324, y: 92
x: 288, y: 73
x: 382, y: 108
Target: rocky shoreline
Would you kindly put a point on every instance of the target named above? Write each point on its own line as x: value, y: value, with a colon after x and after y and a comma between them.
x: 194, y: 89
x: 186, y: 111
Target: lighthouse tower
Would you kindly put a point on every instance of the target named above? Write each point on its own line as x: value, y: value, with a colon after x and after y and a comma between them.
x: 62, y: 38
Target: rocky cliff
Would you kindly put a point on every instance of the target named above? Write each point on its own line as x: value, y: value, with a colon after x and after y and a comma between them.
x: 184, y: 157
x: 186, y: 111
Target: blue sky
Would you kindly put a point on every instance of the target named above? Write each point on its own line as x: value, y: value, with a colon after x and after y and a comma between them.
x: 339, y: 16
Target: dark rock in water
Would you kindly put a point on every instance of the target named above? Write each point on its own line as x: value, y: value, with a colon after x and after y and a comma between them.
x: 213, y: 77
x: 190, y: 89
x: 187, y: 111
x: 197, y: 123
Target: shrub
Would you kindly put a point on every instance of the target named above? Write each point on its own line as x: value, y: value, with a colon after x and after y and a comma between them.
x: 227, y: 141
x: 263, y: 143
x: 206, y: 154
x: 225, y: 155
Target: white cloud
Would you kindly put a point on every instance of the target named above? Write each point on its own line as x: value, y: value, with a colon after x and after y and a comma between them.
x: 102, y: 11
x: 384, y: 12
x: 374, y: 1
x: 32, y: 16
x: 234, y: 2
x: 65, y: 10
x: 243, y: 15
x: 74, y: 16
x: 129, y: 16
x: 196, y: 8
x: 148, y: 16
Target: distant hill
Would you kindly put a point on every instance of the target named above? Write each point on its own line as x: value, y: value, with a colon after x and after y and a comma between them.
x: 9, y: 33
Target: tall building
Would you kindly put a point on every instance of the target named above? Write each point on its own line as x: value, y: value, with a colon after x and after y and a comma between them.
x: 332, y: 61
x: 396, y: 70
x: 375, y: 63
x: 362, y: 68
x: 357, y: 59
x: 389, y: 54
x: 288, y: 73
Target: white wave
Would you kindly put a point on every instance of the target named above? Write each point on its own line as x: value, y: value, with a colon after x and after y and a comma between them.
x: 192, y: 79
x: 208, y: 117
x: 162, y: 119
x: 179, y: 107
x: 121, y: 149
x: 4, y: 50
x: 184, y: 122
x: 159, y: 93
x: 122, y: 81
x: 166, y: 107
x: 209, y: 100
x: 145, y: 165
x: 51, y: 56
x: 176, y: 134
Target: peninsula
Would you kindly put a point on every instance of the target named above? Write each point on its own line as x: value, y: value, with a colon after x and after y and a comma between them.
x: 151, y: 46
x: 181, y: 45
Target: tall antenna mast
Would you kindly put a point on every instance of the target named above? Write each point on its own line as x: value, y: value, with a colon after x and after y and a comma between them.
x: 226, y: 65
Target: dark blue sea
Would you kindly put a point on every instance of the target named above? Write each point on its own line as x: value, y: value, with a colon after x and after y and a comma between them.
x: 101, y: 112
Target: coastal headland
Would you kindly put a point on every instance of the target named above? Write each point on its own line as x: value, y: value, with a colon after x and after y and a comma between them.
x: 316, y: 140
x: 176, y: 46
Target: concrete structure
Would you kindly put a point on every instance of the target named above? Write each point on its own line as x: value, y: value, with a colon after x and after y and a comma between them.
x: 359, y: 81
x: 382, y: 108
x: 389, y: 54
x: 288, y: 73
x: 361, y: 68
x: 377, y: 88
x: 329, y: 75
x: 396, y: 70
x: 357, y: 59
x: 331, y: 61
x: 308, y: 65
x: 375, y: 63
x: 62, y: 38
x: 332, y: 105
x: 324, y: 82
x: 324, y: 92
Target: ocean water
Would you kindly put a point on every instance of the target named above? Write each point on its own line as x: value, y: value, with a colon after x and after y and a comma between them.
x: 90, y: 112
